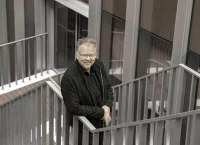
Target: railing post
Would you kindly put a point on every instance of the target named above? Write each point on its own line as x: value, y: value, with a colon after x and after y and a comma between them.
x: 75, y: 130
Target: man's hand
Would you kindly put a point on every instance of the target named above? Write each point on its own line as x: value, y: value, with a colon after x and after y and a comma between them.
x: 106, y: 117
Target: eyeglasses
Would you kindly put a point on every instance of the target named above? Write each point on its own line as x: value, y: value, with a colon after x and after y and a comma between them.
x: 84, y: 56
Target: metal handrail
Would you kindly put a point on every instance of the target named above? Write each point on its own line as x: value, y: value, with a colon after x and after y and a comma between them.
x: 146, y: 76
x: 13, y: 42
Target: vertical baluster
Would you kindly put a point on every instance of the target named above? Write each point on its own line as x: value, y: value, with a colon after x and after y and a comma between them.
x: 16, y: 67
x: 146, y: 99
x: 1, y: 125
x: 130, y: 135
x: 23, y: 60
x: 29, y: 62
x: 23, y: 116
x: 66, y: 127
x: 75, y: 130
x: 114, y: 106
x: 34, y: 106
x: 42, y: 49
x: 123, y: 104
x: 139, y: 101
x: 195, y: 139
x: 106, y: 137
x: 191, y: 107
x: 51, y: 115
x: 118, y: 136
x: 8, y: 63
x: 130, y: 103
x: 1, y: 68
x: 142, y: 134
x: 163, y: 88
x: 171, y: 91
x: 119, y: 106
x: 95, y: 138
x: 38, y: 124
x: 58, y: 120
x: 35, y: 55
x: 44, y: 113
x: 159, y: 133
x: 85, y: 135
x: 152, y: 128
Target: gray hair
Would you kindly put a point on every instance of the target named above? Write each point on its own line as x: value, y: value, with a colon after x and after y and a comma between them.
x: 86, y: 40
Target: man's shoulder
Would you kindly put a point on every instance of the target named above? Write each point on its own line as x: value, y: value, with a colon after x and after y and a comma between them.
x: 99, y: 63
x: 70, y: 72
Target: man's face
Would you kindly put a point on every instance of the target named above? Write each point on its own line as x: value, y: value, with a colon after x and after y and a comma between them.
x: 86, y: 55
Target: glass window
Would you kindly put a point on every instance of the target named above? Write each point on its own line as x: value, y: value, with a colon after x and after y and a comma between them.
x: 112, y: 38
x: 194, y: 43
x: 156, y: 32
x: 69, y: 26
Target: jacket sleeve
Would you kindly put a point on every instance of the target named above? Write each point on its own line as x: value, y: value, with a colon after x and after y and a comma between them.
x: 72, y: 102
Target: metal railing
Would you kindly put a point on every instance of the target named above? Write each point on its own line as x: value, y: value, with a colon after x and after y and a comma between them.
x: 162, y: 93
x: 39, y: 116
x: 23, y: 58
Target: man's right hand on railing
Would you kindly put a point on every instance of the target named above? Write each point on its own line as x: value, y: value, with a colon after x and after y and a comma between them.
x: 106, y: 117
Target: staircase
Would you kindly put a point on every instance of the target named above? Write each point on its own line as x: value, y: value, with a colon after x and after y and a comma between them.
x: 157, y: 109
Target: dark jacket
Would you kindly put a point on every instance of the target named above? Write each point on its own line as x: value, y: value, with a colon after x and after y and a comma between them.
x: 78, y: 98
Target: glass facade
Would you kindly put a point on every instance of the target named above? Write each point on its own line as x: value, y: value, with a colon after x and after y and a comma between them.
x: 69, y: 27
x: 156, y: 30
x: 112, y: 38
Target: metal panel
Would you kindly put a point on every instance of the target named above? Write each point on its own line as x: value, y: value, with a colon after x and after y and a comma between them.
x: 39, y: 15
x: 3, y: 39
x: 94, y: 21
x: 44, y: 113
x: 50, y: 30
x: 38, y: 123
x: 181, y: 32
x: 85, y: 135
x: 58, y: 120
x: 131, y: 39
x: 75, y: 130
x: 95, y: 138
x: 106, y: 138
x: 19, y: 22
x: 51, y: 115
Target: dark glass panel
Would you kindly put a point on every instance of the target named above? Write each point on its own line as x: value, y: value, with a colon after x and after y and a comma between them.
x: 154, y: 53
x: 115, y: 7
x: 194, y: 43
x: 112, y: 43
x: 158, y: 17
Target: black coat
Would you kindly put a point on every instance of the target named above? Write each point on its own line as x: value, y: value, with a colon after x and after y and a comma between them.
x: 78, y: 98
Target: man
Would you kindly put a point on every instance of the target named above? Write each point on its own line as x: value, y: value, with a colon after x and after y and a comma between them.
x: 85, y: 87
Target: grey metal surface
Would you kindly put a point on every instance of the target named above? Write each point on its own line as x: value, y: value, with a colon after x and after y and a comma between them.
x: 85, y: 136
x: 94, y: 21
x: 181, y: 32
x: 58, y: 120
x: 39, y: 114
x: 95, y: 139
x: 44, y: 113
x: 50, y: 30
x: 131, y: 39
x: 75, y: 130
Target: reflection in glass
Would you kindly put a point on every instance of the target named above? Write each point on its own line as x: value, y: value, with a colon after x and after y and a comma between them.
x: 154, y: 53
x: 158, y: 17
x: 156, y: 33
x: 69, y: 26
x: 112, y: 43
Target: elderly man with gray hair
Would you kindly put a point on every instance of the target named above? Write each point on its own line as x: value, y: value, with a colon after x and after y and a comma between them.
x: 86, y: 88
